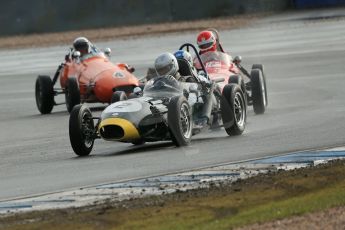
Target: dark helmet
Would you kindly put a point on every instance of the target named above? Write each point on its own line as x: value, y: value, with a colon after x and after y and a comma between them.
x: 82, y: 45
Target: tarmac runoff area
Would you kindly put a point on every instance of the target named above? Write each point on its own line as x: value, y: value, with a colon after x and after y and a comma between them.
x: 170, y: 183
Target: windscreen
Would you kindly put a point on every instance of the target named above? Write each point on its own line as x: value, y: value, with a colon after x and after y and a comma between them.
x: 213, y: 60
x: 162, y: 86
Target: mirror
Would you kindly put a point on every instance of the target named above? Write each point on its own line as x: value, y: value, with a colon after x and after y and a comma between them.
x: 137, y: 90
x: 237, y: 60
x: 107, y: 51
x: 76, y: 54
x: 131, y: 69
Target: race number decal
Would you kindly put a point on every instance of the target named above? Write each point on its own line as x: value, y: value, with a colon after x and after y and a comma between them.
x: 213, y: 64
x: 124, y: 107
x: 118, y: 74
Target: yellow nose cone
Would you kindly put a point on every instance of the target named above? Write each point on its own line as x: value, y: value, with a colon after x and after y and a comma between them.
x: 118, y: 129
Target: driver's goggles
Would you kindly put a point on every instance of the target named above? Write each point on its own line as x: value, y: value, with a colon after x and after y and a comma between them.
x: 206, y: 46
x: 164, y: 70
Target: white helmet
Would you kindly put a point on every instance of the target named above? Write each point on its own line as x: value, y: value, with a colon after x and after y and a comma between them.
x: 166, y: 64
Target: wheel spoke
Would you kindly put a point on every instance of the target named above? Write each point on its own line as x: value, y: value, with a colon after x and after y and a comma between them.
x: 87, y: 130
x: 239, y: 109
x: 185, y: 121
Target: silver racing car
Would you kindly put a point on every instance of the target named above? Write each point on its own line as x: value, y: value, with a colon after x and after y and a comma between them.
x: 166, y: 110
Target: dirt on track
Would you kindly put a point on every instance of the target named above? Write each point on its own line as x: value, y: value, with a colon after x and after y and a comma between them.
x: 104, y: 34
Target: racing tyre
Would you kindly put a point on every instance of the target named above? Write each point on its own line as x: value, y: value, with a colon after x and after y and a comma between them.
x: 237, y: 79
x: 118, y: 96
x: 233, y: 109
x: 72, y: 93
x: 180, y: 121
x: 81, y: 130
x: 44, y: 94
x: 258, y: 91
x: 261, y: 67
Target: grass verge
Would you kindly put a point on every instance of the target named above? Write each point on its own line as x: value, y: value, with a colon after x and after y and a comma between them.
x: 256, y: 200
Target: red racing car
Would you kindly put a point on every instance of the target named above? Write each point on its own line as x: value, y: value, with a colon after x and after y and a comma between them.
x: 88, y: 78
x: 219, y: 64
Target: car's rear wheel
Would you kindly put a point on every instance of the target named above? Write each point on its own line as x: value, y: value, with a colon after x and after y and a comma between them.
x: 72, y: 93
x: 233, y: 109
x: 180, y: 121
x: 258, y: 91
x: 261, y: 67
x: 44, y: 94
x: 81, y: 130
x: 118, y: 96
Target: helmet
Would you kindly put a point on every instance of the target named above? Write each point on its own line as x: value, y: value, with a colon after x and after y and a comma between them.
x: 182, y: 54
x: 206, y: 41
x: 82, y: 45
x: 166, y: 64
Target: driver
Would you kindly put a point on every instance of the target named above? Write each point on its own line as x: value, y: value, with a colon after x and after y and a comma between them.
x: 86, y: 48
x: 166, y: 64
x: 187, y: 68
x: 83, y: 45
x: 207, y: 41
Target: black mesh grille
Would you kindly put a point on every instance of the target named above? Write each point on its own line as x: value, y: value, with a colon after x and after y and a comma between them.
x: 112, y: 132
x: 126, y: 88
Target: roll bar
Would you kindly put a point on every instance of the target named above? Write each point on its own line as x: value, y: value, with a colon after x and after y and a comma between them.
x: 189, y: 45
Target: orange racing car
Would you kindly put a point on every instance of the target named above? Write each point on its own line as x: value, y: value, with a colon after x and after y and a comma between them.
x: 90, y: 77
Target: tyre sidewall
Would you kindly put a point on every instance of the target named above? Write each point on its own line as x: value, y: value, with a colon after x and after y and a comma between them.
x: 77, y: 138
x: 238, y: 79
x: 72, y: 93
x: 228, y: 109
x: 174, y: 116
x: 261, y: 67
x: 44, y: 94
x: 257, y: 92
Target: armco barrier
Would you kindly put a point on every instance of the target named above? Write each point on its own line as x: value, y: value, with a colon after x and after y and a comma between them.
x: 302, y: 4
x: 36, y: 16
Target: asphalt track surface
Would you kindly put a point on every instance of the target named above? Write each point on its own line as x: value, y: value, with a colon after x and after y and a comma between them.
x: 305, y: 68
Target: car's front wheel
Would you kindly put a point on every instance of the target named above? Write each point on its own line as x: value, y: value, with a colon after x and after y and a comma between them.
x: 233, y: 109
x: 81, y: 130
x: 180, y: 121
